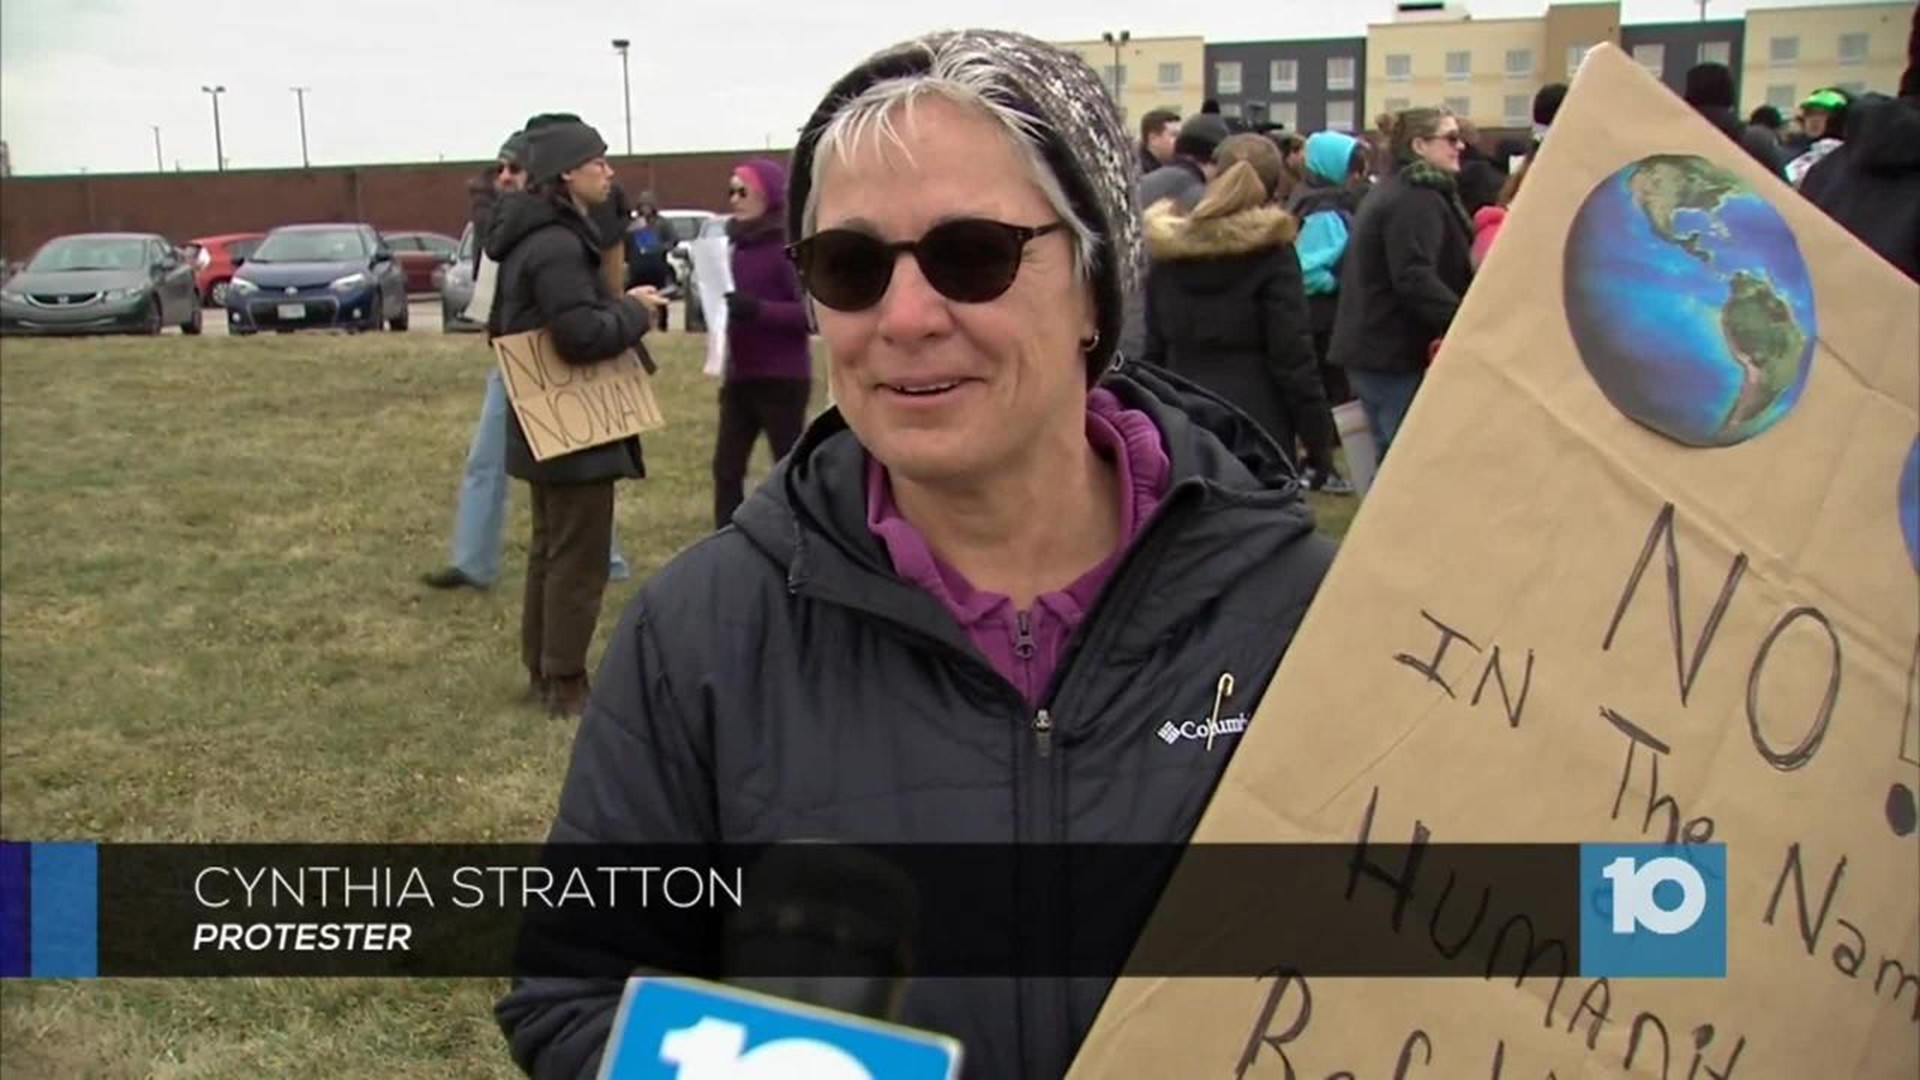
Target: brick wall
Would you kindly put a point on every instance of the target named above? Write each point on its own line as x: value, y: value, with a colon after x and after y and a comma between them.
x: 181, y: 206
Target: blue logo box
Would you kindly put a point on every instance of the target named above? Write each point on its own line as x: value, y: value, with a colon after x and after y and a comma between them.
x: 1653, y: 911
x: 680, y: 1029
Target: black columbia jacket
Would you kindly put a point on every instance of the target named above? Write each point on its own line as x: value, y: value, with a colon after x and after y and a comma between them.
x: 779, y: 681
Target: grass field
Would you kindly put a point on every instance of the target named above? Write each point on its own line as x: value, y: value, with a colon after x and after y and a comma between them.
x: 211, y: 628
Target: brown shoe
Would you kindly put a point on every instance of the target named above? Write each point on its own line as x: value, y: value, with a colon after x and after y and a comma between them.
x: 567, y: 696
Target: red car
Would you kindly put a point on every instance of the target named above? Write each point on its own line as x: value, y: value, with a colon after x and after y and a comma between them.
x: 214, y: 260
x: 420, y: 254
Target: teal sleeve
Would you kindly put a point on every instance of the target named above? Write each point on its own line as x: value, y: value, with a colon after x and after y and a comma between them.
x: 1323, y: 240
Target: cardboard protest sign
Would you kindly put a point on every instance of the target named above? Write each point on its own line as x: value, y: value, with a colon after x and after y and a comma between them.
x: 568, y: 407
x: 1644, y: 566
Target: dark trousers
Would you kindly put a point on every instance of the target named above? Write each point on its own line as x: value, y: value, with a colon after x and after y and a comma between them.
x: 566, y: 576
x: 748, y: 407
x: 1332, y: 376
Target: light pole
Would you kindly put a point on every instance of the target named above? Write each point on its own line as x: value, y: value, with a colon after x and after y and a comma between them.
x: 1116, y: 41
x: 300, y: 95
x: 159, y: 162
x: 219, y: 149
x: 626, y: 87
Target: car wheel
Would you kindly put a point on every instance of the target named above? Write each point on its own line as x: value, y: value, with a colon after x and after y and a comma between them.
x: 155, y: 319
x: 399, y: 322
x: 217, y: 294
x: 193, y: 325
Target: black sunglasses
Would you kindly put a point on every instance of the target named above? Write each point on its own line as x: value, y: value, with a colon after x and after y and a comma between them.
x: 968, y: 260
x: 737, y: 190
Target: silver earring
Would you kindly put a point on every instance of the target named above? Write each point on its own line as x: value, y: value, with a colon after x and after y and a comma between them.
x: 1087, y: 345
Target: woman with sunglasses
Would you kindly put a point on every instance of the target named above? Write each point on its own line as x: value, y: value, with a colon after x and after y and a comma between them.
x: 1407, y: 267
x: 769, y: 375
x: 988, y: 596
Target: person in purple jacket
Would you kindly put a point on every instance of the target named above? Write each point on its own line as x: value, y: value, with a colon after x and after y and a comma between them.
x: 769, y: 367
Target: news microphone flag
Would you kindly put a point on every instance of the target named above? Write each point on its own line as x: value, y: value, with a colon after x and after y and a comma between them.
x: 679, y: 1029
x: 49, y: 911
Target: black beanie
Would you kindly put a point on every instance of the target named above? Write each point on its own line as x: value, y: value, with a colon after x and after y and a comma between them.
x: 514, y: 150
x: 1200, y: 135
x: 1709, y: 86
x: 558, y: 143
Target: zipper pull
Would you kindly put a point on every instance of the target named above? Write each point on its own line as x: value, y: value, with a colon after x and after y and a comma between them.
x: 1023, y: 644
x: 1043, y: 731
x: 1221, y: 691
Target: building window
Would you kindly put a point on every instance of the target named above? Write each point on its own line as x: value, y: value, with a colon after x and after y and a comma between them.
x: 1283, y: 76
x: 1171, y: 75
x: 1340, y: 115
x: 1575, y: 54
x: 1460, y: 107
x: 1781, y: 97
x: 1116, y: 77
x: 1340, y: 72
x: 1399, y: 67
x: 1255, y: 112
x: 1285, y: 112
x: 1459, y: 66
x: 1651, y: 57
x: 1851, y: 89
x: 1398, y: 104
x: 1716, y: 52
x: 1231, y: 108
x: 1783, y: 51
x: 1516, y: 111
x: 1519, y: 63
x: 1853, y: 49
x: 1226, y: 77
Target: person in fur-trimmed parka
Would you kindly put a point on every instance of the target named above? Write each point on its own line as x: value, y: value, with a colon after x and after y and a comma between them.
x: 1227, y: 306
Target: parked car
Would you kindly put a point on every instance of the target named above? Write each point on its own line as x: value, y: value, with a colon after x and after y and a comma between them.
x: 303, y: 277
x: 456, y: 287
x: 420, y: 254
x: 215, y: 258
x: 101, y: 283
x: 686, y: 225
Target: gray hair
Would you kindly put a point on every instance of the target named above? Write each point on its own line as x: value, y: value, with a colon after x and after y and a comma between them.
x: 969, y: 76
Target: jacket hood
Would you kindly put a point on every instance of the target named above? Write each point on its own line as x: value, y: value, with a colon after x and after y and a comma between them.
x: 810, y: 516
x: 1328, y: 154
x: 519, y: 215
x: 1172, y: 236
x: 1884, y: 133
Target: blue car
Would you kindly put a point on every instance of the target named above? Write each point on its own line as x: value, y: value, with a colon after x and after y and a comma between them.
x: 318, y: 277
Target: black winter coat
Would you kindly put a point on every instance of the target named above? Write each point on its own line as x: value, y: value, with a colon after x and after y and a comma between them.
x: 779, y: 681
x: 1871, y: 185
x: 550, y: 277
x: 1408, y: 265
x: 1227, y: 308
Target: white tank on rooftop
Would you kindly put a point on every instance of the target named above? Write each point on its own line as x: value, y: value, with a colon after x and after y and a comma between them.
x: 1430, y: 11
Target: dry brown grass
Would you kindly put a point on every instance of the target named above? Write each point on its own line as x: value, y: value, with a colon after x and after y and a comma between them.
x: 211, y: 629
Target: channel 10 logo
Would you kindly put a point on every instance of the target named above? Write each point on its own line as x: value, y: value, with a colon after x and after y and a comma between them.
x: 1653, y: 911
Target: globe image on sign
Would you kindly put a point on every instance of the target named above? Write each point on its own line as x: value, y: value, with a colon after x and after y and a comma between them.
x: 1689, y: 300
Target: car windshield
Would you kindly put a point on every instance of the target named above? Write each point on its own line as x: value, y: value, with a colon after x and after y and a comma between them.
x: 91, y: 253
x: 714, y: 226
x: 311, y: 245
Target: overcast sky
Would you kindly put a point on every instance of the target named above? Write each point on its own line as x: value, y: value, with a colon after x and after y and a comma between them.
x: 83, y: 82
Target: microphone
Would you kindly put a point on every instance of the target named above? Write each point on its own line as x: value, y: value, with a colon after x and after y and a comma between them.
x: 825, y: 924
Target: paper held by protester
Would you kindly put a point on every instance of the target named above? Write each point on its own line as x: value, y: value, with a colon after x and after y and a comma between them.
x: 566, y: 407
x: 713, y: 280
x: 1644, y: 566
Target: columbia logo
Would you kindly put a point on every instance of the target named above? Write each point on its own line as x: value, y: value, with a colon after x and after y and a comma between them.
x: 1200, y: 730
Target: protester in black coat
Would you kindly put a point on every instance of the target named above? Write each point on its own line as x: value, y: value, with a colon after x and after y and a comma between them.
x: 550, y: 277
x: 1226, y: 306
x: 1709, y: 89
x: 1408, y: 266
x: 1871, y: 185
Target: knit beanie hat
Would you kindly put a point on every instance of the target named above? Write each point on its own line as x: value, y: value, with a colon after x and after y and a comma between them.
x: 1709, y: 86
x: 1082, y: 139
x: 514, y: 150
x: 767, y: 178
x: 1200, y: 136
x: 558, y: 143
